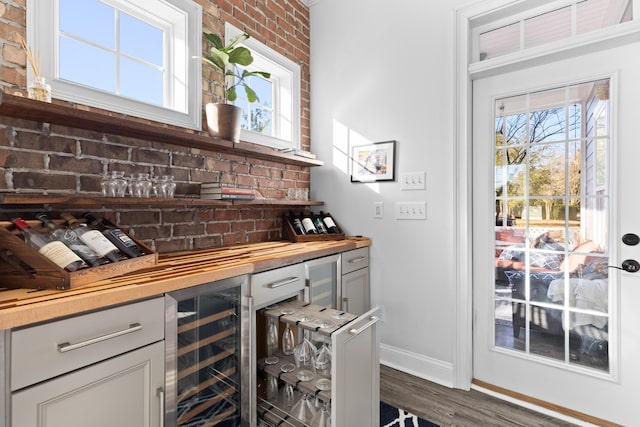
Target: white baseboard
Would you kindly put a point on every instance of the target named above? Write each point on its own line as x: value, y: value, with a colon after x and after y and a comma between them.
x: 417, y: 365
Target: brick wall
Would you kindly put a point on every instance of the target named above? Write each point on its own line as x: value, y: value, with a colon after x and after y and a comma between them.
x: 38, y: 157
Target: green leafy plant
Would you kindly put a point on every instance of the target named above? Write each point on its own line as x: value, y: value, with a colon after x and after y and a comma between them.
x: 232, y: 60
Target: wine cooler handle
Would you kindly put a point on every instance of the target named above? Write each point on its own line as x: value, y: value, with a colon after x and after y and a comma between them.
x: 160, y: 394
x: 64, y: 347
x: 354, y: 260
x: 282, y: 282
x: 372, y: 320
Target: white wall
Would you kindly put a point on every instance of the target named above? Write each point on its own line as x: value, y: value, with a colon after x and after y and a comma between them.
x: 384, y: 70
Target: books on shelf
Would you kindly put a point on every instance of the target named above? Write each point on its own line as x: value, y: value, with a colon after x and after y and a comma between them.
x: 216, y: 190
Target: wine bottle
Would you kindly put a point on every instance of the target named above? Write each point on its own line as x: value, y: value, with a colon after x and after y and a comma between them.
x: 49, y: 247
x: 307, y: 223
x: 70, y: 238
x: 319, y: 224
x: 328, y: 221
x: 118, y: 237
x: 94, y: 239
x: 296, y: 224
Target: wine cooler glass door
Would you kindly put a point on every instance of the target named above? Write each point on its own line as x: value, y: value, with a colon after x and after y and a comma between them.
x: 205, y: 365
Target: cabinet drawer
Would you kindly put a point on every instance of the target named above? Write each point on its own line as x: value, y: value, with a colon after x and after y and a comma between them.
x: 51, y: 349
x: 278, y: 283
x: 355, y: 260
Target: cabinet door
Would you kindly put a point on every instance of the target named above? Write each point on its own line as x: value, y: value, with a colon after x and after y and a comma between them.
x: 355, y: 292
x: 124, y: 391
x: 355, y: 369
x: 323, y: 280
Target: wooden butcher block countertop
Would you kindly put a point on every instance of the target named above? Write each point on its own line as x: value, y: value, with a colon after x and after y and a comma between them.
x: 174, y: 271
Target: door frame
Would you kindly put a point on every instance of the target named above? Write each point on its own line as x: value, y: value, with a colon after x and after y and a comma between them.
x: 466, y: 72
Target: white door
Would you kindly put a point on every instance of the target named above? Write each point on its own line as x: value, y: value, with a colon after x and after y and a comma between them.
x: 555, y: 159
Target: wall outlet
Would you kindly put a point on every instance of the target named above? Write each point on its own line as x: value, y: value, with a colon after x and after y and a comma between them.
x: 413, y: 181
x: 378, y: 210
x: 411, y: 210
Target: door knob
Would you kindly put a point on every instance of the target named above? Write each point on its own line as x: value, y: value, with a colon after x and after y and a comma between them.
x: 631, y: 265
x: 630, y: 239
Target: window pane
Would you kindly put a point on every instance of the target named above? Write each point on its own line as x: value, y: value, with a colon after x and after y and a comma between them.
x: 261, y: 120
x: 75, y: 65
x: 500, y: 41
x: 264, y: 90
x: 548, y: 125
x: 548, y: 27
x: 547, y: 170
x: 140, y: 82
x: 141, y: 40
x: 90, y: 20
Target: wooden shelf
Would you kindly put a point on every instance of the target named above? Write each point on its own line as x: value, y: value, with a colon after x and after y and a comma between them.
x: 87, y: 201
x: 28, y: 109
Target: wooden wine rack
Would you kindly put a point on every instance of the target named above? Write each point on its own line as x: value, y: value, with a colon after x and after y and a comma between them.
x: 23, y: 267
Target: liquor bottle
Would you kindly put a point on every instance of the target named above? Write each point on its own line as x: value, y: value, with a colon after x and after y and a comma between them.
x: 94, y: 239
x: 296, y: 223
x: 319, y: 224
x: 307, y: 224
x: 52, y: 249
x: 328, y: 221
x: 70, y: 238
x: 118, y: 237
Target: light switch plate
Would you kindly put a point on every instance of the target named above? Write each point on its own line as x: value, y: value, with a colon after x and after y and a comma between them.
x: 378, y: 209
x: 411, y: 210
x: 413, y: 181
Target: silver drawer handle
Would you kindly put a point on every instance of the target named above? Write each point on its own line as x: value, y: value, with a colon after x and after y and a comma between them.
x: 354, y: 260
x: 372, y: 320
x: 64, y: 347
x: 282, y: 282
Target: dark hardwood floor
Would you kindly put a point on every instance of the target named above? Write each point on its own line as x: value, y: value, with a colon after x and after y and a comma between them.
x: 452, y: 407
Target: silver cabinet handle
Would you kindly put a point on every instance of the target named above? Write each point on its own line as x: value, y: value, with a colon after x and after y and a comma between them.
x: 160, y: 394
x: 354, y: 260
x: 372, y: 320
x: 64, y: 347
x: 345, y: 304
x: 282, y: 282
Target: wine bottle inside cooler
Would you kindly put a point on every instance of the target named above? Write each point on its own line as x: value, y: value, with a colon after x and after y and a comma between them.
x: 307, y: 223
x: 328, y: 221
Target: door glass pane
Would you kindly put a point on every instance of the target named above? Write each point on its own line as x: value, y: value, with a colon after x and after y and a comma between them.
x: 551, y: 252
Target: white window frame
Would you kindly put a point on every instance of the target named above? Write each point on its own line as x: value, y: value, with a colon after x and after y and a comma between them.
x: 285, y: 76
x: 181, y: 21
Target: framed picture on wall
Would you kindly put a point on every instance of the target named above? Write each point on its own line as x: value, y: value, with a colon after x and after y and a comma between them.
x: 373, y: 162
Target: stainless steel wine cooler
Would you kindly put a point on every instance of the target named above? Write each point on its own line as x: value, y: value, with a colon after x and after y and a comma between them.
x: 207, y: 372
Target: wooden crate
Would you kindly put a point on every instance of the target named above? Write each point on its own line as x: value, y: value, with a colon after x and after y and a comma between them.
x: 22, y: 266
x: 289, y: 233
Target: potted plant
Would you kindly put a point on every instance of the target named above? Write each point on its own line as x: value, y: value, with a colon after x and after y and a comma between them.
x: 224, y: 119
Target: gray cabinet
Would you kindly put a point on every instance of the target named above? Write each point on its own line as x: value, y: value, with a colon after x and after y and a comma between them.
x: 355, y: 295
x: 100, y: 369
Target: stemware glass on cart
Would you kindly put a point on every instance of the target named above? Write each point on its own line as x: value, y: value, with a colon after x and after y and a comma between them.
x: 272, y: 336
x: 288, y: 341
x: 305, y: 356
x: 323, y: 360
x: 304, y: 409
x: 322, y: 418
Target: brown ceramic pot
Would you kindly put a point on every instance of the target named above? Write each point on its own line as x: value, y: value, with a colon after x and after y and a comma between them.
x: 224, y: 121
